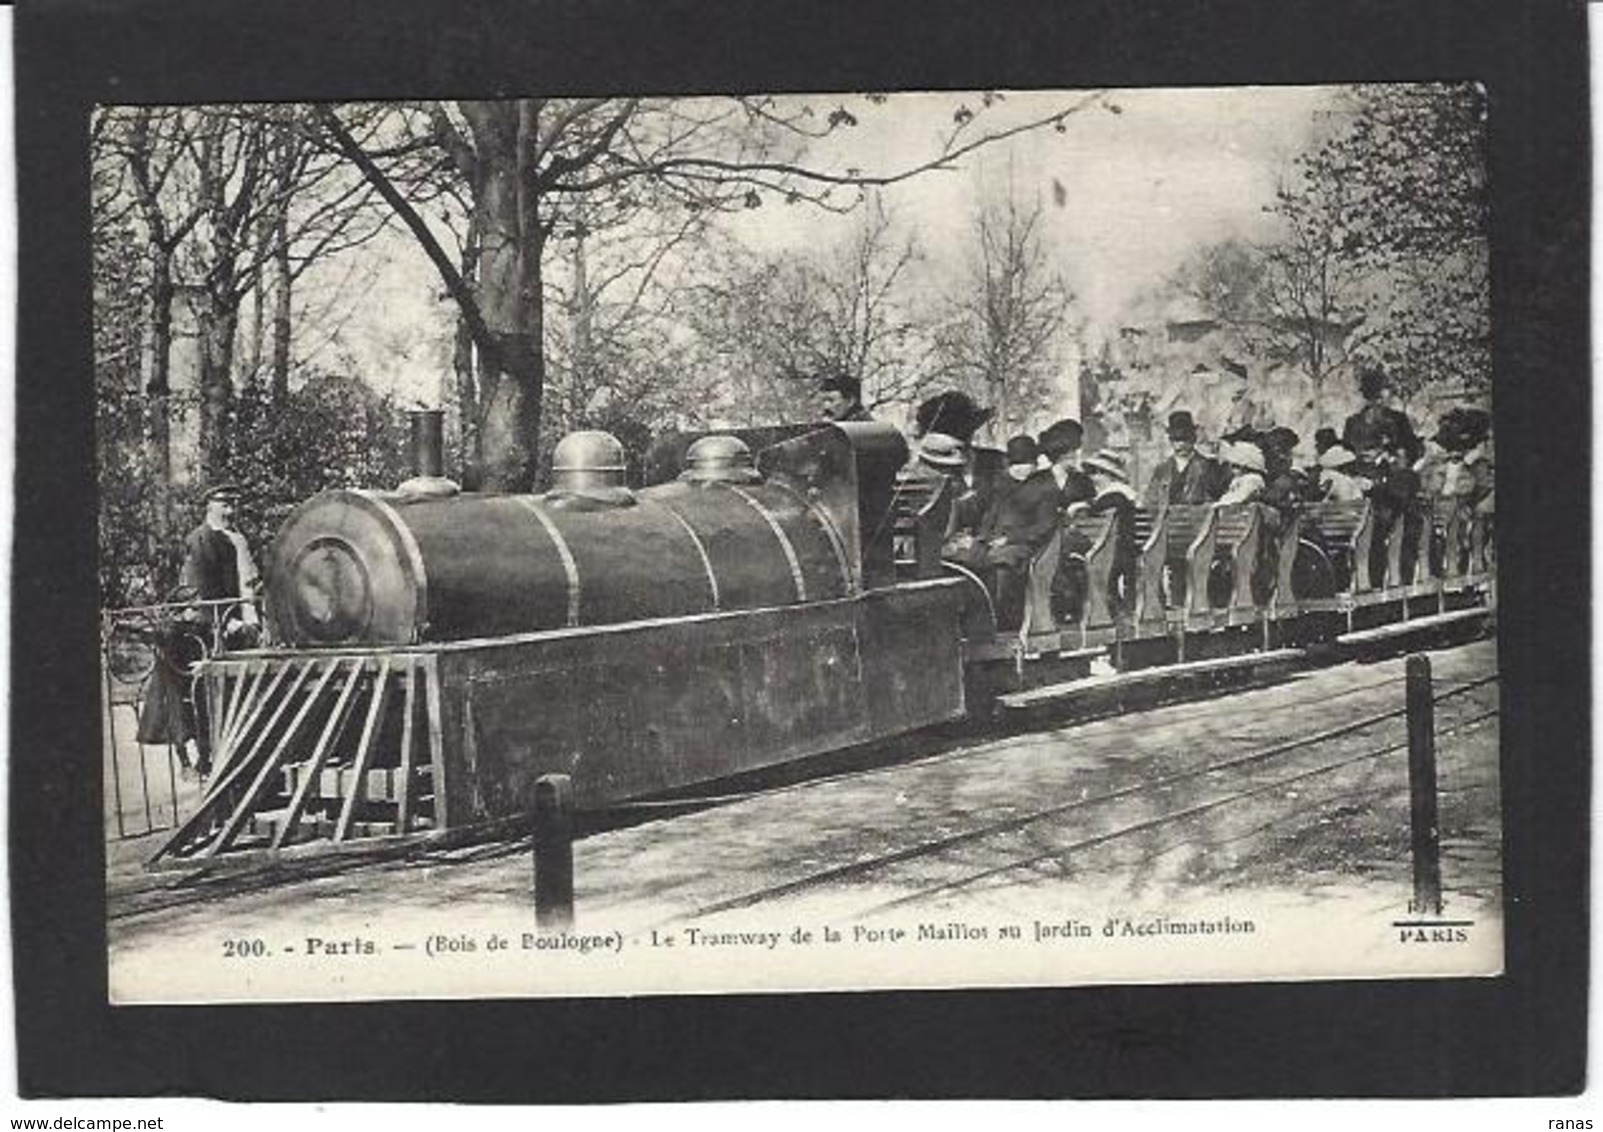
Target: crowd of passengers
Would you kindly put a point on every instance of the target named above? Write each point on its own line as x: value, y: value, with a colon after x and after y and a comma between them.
x: 1003, y: 516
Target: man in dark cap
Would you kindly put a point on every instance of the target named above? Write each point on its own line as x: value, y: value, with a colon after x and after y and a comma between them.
x: 1023, y: 458
x: 219, y: 571
x: 841, y: 397
x: 1378, y: 426
x: 1187, y: 476
x: 218, y: 567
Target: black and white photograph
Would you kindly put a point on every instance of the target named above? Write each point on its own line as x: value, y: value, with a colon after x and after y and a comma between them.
x: 624, y: 553
x: 796, y: 542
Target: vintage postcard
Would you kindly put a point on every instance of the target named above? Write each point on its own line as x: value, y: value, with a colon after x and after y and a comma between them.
x: 651, y: 545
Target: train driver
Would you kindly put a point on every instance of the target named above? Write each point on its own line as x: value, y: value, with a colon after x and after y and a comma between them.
x: 841, y: 397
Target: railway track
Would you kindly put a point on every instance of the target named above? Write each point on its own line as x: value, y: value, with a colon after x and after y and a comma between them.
x: 1252, y: 752
x: 1139, y: 822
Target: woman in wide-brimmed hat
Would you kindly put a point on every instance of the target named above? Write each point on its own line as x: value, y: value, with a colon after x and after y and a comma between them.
x: 1115, y: 496
x: 1464, y: 435
x: 1337, y: 484
x: 1246, y: 465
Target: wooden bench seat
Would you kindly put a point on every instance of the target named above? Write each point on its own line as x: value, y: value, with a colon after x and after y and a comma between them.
x: 1331, y: 554
x: 1184, y: 547
x: 920, y: 509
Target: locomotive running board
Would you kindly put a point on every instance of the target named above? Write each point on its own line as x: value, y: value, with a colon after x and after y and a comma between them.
x: 1396, y: 629
x: 1141, y: 677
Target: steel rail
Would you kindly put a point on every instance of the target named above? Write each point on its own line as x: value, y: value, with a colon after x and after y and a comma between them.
x: 993, y: 829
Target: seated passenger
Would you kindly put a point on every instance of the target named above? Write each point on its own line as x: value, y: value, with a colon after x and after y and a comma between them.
x: 1060, y: 444
x: 1246, y: 464
x: 1284, y: 486
x: 1115, y: 496
x: 942, y: 459
x: 1187, y: 476
x: 978, y: 495
x: 1336, y: 483
x: 1464, y: 436
x: 1325, y: 439
x: 1022, y: 521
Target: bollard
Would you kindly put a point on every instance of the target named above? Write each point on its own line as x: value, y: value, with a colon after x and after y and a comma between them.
x: 553, y: 852
x: 1426, y: 835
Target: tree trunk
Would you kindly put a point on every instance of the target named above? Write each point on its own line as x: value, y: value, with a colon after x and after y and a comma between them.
x: 158, y: 401
x: 285, y: 159
x: 467, y: 396
x: 467, y: 403
x: 581, y: 384
x: 255, y: 330
x: 218, y: 320
x: 283, y: 283
x: 506, y: 212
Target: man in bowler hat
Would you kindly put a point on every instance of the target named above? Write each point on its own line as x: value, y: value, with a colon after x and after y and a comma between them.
x: 1187, y: 476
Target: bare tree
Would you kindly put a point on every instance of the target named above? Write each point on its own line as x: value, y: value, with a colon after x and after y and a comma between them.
x: 1314, y: 294
x: 779, y: 322
x: 1003, y: 336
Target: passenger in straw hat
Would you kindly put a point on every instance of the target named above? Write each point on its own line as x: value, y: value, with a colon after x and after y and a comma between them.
x: 1337, y: 483
x: 1246, y: 464
x: 943, y: 455
x: 1115, y: 496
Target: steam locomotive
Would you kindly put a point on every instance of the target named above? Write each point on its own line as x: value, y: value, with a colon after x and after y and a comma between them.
x: 765, y: 596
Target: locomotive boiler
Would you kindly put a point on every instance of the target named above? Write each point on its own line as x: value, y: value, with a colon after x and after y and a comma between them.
x: 437, y: 651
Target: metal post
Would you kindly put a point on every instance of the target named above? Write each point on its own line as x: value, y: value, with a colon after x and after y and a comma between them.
x: 1426, y: 834
x: 553, y: 852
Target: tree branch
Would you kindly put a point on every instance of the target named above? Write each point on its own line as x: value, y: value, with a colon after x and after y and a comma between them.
x: 454, y: 283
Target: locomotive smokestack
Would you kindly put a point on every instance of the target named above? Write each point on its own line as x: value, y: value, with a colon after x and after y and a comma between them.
x: 428, y: 455
x: 428, y: 442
